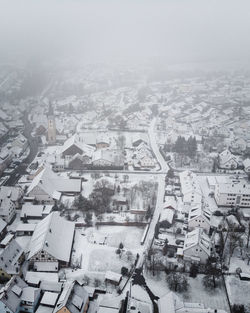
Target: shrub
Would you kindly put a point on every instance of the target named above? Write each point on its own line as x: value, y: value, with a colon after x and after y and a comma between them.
x: 124, y: 271
x: 177, y: 282
x: 193, y: 270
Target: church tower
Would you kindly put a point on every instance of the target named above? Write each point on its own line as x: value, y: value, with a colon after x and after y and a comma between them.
x: 51, y: 126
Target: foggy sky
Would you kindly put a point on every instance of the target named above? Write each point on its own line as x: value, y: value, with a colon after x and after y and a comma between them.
x: 104, y: 30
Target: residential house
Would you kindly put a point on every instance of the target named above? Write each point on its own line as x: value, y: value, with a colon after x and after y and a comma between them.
x: 79, y: 162
x: 147, y: 162
x: 73, y: 299
x: 75, y: 145
x: 29, y: 299
x: 167, y: 217
x: 48, y: 300
x: 110, y: 158
x: 19, y: 145
x: 190, y: 188
x: 199, y: 216
x: 15, y: 194
x: 51, y: 243
x: 143, y: 156
x: 10, y: 260
x: 10, y: 295
x: 227, y: 160
x: 31, y: 211
x: 138, y: 139
x: 59, y: 164
x: 197, y: 246
x: 48, y: 186
x: 170, y: 203
x: 7, y: 210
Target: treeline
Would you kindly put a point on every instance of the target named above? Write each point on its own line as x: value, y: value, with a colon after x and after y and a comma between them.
x: 183, y: 146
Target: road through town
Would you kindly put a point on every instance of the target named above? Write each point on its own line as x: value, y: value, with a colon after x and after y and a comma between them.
x: 160, y: 191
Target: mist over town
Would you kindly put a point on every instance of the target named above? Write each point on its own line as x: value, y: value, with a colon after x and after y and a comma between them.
x: 124, y: 156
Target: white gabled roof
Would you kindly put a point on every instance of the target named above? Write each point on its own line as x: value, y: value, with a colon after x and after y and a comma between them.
x: 78, y: 141
x: 14, y: 193
x: 227, y: 156
x: 199, y: 211
x: 170, y: 203
x: 170, y: 301
x: 197, y: 237
x: 113, y: 276
x: 190, y: 187
x: 54, y: 235
x: 167, y: 215
x: 54, y: 185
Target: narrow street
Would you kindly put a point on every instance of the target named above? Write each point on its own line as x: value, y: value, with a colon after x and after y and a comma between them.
x: 155, y: 148
x: 159, y: 202
x: 160, y: 192
x: 33, y: 146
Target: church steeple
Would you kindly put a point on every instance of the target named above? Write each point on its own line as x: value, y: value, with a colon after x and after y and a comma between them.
x: 51, y: 126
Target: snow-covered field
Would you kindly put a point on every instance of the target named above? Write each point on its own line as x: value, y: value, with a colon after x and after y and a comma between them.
x: 95, y: 257
x: 102, y: 260
x: 129, y: 236
x: 238, y: 291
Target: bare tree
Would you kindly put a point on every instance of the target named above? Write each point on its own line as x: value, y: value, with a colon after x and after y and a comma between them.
x: 177, y: 282
x: 235, y: 240
x: 248, y: 233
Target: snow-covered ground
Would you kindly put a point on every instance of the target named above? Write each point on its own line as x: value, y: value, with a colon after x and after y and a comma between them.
x: 215, y: 299
x: 238, y: 291
x: 95, y: 259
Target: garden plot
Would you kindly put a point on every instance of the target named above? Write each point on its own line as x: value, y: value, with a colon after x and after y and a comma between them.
x: 101, y: 260
x: 128, y: 235
x: 95, y: 257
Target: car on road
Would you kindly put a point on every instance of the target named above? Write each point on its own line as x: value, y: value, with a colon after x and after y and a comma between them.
x: 158, y: 242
